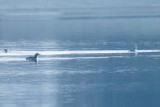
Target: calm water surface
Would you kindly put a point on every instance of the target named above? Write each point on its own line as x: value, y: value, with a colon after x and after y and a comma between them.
x: 75, y: 79
x: 85, y: 59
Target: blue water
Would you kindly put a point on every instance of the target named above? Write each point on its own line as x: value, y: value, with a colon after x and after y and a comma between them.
x: 85, y: 52
x: 89, y: 79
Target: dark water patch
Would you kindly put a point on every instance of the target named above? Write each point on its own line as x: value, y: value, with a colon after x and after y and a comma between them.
x: 108, y: 17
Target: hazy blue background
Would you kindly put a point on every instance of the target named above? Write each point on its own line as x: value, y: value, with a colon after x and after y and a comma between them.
x: 79, y: 19
x: 61, y: 30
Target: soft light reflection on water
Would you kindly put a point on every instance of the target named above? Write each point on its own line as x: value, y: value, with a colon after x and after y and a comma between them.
x: 79, y: 80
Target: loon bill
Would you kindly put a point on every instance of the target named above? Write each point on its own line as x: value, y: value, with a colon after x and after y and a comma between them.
x: 33, y: 58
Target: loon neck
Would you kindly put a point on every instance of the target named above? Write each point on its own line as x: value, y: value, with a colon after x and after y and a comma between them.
x: 35, y: 56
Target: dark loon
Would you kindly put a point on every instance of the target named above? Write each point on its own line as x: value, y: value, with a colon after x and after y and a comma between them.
x: 33, y: 58
x: 5, y: 51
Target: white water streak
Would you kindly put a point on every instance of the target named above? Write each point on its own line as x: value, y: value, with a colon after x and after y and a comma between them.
x: 57, y: 58
x: 67, y: 52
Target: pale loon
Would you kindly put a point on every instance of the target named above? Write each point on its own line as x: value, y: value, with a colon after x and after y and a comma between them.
x: 135, y: 50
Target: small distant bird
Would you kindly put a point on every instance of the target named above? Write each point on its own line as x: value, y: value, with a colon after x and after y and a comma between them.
x: 33, y: 58
x: 135, y: 50
x: 5, y: 51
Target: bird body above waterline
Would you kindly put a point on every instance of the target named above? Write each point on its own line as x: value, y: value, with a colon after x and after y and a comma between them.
x: 33, y: 58
x: 135, y: 51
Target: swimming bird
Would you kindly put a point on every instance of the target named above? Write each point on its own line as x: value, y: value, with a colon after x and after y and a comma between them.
x: 5, y: 51
x: 33, y: 58
x: 135, y: 50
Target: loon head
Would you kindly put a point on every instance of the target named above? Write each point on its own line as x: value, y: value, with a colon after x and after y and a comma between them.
x: 36, y: 54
